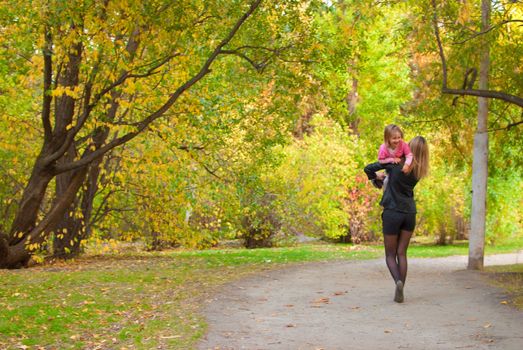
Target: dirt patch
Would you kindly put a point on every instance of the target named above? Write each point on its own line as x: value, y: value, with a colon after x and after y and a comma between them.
x: 510, y: 279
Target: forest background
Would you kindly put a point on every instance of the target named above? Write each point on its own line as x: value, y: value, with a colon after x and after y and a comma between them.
x: 198, y: 122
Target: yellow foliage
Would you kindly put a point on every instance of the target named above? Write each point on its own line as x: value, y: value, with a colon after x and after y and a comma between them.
x: 465, y: 12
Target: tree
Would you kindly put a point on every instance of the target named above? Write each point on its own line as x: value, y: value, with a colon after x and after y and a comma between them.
x: 480, y: 163
x: 111, y: 70
x: 480, y: 151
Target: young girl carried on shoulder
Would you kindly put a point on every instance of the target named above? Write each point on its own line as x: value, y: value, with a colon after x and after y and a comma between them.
x: 393, y: 151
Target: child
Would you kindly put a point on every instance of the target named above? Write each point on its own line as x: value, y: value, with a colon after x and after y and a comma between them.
x: 391, y: 152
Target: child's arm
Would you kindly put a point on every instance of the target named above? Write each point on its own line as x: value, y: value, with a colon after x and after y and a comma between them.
x: 384, y: 156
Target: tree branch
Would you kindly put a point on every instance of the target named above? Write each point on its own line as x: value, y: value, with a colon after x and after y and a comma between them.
x: 88, y: 157
x: 258, y: 66
x: 513, y: 99
x: 48, y: 80
x: 87, y: 110
x: 518, y: 101
x: 475, y: 35
x: 510, y: 126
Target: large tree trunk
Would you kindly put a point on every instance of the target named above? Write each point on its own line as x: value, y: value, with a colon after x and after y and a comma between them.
x: 65, y: 232
x: 12, y: 252
x: 73, y: 229
x: 27, y: 227
x: 480, y: 160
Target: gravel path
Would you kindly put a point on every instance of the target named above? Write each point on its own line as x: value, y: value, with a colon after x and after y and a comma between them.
x: 348, y: 305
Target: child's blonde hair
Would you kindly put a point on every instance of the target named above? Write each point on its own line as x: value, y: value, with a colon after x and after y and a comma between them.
x: 420, y: 161
x: 389, y: 131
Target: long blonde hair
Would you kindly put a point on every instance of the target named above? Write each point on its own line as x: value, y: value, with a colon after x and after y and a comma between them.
x: 420, y: 161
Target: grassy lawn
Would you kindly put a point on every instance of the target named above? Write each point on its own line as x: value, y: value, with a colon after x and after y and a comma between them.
x: 461, y: 248
x: 144, y: 300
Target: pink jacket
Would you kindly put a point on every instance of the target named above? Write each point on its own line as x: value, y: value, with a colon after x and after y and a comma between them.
x: 385, y: 156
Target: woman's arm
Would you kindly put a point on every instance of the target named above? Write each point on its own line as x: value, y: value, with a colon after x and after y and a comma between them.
x: 407, y: 152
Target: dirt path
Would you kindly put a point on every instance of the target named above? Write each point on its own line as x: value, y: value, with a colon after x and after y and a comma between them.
x: 348, y: 305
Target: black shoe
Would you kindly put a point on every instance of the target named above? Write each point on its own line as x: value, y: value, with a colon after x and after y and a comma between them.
x: 398, y: 295
x: 377, y: 183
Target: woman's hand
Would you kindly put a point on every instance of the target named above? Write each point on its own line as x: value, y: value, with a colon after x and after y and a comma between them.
x: 405, y: 169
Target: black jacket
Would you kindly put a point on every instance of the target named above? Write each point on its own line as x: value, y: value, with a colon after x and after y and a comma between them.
x: 399, y: 193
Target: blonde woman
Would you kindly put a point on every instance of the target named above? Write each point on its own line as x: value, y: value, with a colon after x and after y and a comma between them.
x: 399, y: 211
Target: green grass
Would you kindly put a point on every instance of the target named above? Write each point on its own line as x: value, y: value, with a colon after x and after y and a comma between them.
x: 461, y: 248
x: 145, y: 300
x: 302, y: 253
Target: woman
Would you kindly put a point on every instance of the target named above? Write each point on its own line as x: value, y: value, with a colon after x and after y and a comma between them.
x: 399, y: 211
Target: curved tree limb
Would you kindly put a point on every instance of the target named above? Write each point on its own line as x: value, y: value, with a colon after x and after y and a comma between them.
x: 48, y: 80
x: 141, y: 126
x: 475, y: 35
x: 513, y: 99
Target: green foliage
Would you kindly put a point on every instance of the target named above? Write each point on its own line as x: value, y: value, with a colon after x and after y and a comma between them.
x: 312, y: 179
x: 266, y: 147
x: 361, y: 206
x: 440, y: 199
x: 505, y: 210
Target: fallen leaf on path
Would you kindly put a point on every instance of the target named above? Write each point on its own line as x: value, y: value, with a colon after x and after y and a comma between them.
x: 387, y: 331
x: 290, y: 325
x: 340, y: 293
x: 504, y: 302
x: 488, y: 325
x: 321, y: 300
x: 288, y: 305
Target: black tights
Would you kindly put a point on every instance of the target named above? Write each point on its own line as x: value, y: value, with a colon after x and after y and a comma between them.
x: 396, y: 254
